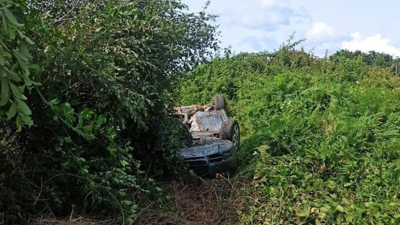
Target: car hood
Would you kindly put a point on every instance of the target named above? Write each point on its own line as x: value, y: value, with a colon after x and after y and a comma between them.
x: 207, y: 147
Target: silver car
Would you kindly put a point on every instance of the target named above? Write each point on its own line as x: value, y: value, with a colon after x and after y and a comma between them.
x: 211, y: 140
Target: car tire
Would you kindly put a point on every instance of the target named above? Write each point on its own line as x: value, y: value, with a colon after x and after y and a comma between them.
x: 230, y: 131
x: 219, y: 102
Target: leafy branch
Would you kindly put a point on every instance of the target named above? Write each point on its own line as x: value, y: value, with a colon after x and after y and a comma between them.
x: 15, y: 66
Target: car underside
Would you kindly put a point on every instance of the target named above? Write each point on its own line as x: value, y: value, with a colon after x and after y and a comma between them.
x: 212, y: 139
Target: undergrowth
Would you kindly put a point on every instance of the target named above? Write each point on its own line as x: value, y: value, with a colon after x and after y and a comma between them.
x: 320, y: 136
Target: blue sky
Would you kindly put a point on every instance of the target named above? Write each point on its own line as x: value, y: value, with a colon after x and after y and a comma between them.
x: 258, y: 25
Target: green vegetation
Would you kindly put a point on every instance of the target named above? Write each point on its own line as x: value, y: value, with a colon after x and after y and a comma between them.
x: 320, y: 136
x: 82, y: 125
x: 85, y: 91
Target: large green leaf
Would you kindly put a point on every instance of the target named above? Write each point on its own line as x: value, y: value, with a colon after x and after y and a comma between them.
x: 12, y: 111
x: 5, y: 91
x: 23, y: 36
x: 10, y: 16
x: 28, y: 82
x: 11, y: 33
x: 16, y: 92
x: 23, y: 107
x: 26, y: 119
x: 4, y: 28
x: 20, y: 56
x: 18, y: 123
x: 12, y: 75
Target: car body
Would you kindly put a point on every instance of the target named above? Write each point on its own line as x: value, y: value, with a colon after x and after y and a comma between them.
x: 212, y: 139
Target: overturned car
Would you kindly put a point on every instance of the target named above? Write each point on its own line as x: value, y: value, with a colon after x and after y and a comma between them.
x: 210, y: 139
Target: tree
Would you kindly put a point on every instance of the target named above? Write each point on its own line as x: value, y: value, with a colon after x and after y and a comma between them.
x: 371, y: 58
x: 105, y: 80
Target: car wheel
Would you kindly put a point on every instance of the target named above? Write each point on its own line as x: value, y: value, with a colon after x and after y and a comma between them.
x: 219, y: 102
x: 230, y: 131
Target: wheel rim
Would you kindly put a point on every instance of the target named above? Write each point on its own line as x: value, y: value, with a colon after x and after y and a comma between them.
x: 235, y: 137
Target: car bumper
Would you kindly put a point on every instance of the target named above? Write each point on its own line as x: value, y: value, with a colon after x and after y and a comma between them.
x: 210, y: 158
x: 210, y: 170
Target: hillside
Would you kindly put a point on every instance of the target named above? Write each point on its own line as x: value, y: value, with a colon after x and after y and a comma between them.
x: 320, y: 135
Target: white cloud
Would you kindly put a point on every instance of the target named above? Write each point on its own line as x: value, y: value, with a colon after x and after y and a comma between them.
x: 323, y: 38
x: 315, y: 20
x: 323, y: 32
x: 266, y: 15
x: 275, y: 3
x: 376, y: 43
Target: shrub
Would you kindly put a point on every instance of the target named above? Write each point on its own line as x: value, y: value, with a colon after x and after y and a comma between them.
x: 320, y: 135
x: 96, y: 116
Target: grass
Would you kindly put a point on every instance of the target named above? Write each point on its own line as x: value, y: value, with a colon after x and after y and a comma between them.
x: 198, y: 201
x: 195, y: 201
x: 320, y: 143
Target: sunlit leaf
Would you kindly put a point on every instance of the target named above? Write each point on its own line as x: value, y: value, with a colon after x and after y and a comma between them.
x: 26, y: 119
x: 12, y: 111
x: 16, y: 92
x: 23, y: 107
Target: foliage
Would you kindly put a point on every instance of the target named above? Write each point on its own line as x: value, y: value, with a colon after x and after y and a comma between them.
x: 372, y: 58
x: 320, y: 135
x: 99, y: 114
x: 15, y: 64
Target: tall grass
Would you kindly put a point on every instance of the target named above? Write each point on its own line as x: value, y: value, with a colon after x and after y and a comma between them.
x: 320, y: 137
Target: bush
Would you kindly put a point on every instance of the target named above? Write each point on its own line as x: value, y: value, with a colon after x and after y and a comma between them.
x: 319, y: 135
x: 92, y: 116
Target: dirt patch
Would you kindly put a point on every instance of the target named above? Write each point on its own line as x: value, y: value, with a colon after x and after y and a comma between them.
x: 198, y: 202
x: 195, y: 202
